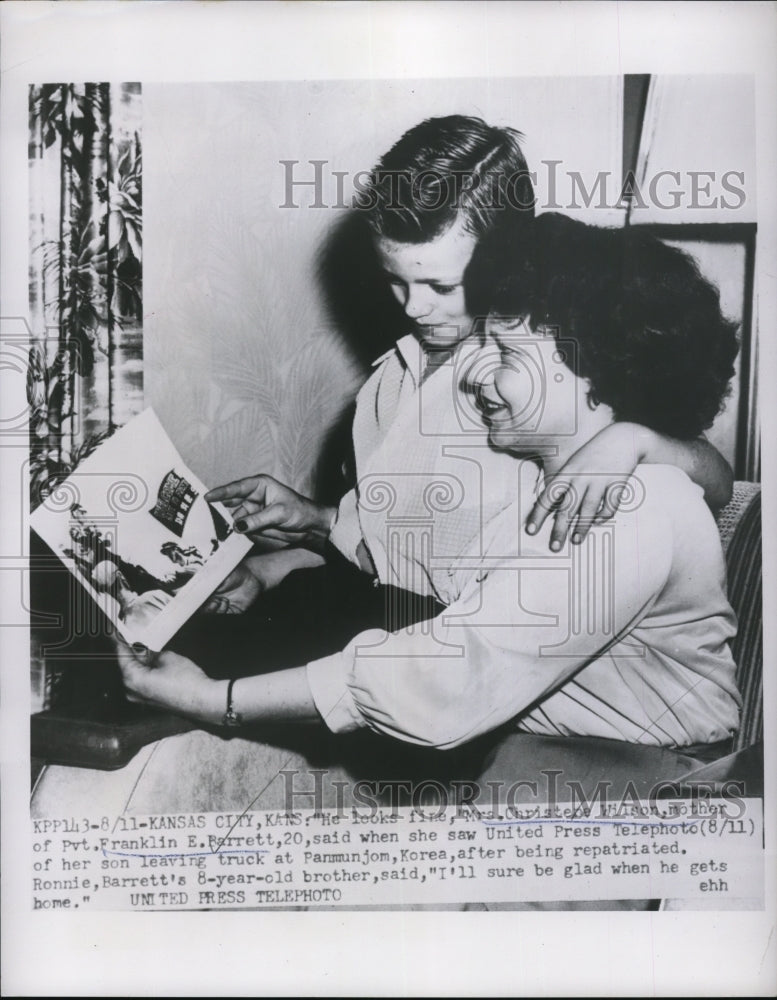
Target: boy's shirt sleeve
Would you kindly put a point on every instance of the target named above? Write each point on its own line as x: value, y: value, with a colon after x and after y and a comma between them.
x: 346, y: 533
x: 368, y: 428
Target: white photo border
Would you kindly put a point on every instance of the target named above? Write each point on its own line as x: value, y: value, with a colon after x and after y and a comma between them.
x: 378, y: 953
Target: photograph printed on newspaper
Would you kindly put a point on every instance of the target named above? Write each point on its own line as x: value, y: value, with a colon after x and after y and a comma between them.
x: 148, y: 559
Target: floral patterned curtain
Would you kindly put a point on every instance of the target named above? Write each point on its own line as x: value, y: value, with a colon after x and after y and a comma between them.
x: 85, y: 368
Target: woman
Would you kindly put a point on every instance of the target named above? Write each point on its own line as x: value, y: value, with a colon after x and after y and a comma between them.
x: 624, y: 637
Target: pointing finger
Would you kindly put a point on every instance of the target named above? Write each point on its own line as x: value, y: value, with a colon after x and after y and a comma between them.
x: 238, y: 489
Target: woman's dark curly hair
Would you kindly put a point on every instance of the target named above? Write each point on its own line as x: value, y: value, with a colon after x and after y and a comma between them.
x: 649, y: 333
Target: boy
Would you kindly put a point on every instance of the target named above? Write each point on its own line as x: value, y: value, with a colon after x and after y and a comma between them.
x: 446, y: 183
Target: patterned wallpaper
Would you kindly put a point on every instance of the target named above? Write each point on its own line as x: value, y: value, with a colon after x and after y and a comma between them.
x: 242, y: 363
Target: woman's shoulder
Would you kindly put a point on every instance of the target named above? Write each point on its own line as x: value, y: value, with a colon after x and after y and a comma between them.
x: 664, y: 488
x: 667, y: 475
x: 667, y: 496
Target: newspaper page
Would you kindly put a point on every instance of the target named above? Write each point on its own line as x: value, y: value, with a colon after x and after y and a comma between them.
x: 475, y: 725
x: 133, y: 526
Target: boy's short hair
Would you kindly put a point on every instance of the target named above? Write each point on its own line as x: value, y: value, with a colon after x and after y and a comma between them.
x: 443, y: 169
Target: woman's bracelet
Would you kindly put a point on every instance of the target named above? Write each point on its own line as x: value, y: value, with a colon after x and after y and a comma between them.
x: 231, y: 717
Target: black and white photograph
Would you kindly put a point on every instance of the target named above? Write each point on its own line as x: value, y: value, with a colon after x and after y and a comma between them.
x: 382, y: 494
x: 133, y: 526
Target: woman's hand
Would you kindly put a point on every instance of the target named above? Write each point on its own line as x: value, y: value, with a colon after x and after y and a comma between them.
x: 169, y: 681
x: 254, y: 575
x: 589, y: 488
x: 264, y: 508
x: 238, y: 592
